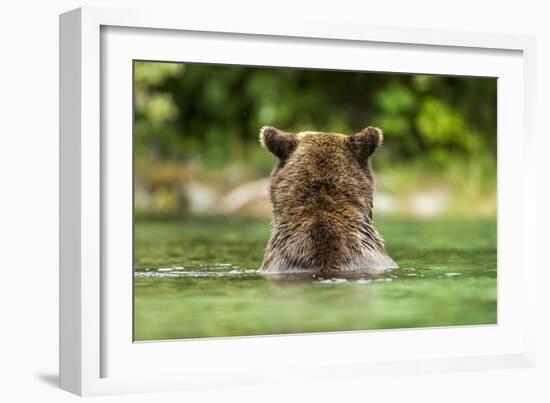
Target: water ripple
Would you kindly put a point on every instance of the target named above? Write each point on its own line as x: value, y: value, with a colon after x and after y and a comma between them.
x: 219, y: 270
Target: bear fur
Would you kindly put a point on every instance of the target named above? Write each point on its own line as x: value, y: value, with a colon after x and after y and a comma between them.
x: 322, y: 195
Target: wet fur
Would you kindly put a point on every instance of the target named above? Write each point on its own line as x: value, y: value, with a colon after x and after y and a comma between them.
x: 322, y: 196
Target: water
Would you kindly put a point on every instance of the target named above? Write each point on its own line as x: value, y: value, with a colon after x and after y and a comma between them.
x: 197, y: 278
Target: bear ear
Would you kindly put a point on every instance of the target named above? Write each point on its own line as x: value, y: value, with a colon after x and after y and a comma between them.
x: 278, y: 142
x: 365, y: 143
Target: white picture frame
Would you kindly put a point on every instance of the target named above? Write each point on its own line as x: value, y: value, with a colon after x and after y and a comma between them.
x: 97, y: 355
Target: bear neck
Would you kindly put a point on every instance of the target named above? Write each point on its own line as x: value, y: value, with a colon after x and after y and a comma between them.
x: 324, y: 241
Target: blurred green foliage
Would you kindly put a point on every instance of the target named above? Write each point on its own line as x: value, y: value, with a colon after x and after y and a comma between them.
x: 198, y: 122
x: 215, y: 112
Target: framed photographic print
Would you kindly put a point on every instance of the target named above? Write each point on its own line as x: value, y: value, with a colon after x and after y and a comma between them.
x: 245, y: 201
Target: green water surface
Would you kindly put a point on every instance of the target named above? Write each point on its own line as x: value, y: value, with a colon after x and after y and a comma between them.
x: 197, y: 278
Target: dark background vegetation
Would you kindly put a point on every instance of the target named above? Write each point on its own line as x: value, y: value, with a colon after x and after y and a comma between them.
x: 196, y: 135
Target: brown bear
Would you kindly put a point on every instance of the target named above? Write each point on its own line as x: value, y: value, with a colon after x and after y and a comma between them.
x: 322, y: 195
